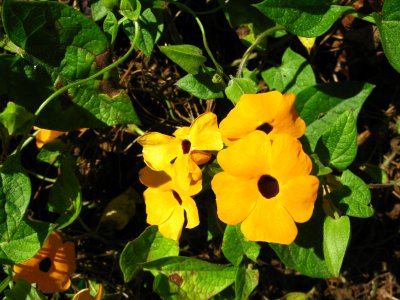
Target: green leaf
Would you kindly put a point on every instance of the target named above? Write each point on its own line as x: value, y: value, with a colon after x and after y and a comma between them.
x: 98, y: 10
x: 248, y: 20
x: 130, y: 9
x: 305, y: 254
x: 20, y: 239
x: 16, y: 119
x: 294, y: 75
x: 151, y: 28
x: 196, y: 279
x: 188, y: 57
x: 149, y: 246
x: 110, y: 26
x: 389, y: 30
x: 319, y: 168
x: 322, y: 104
x: 295, y: 296
x: 353, y: 197
x: 235, y: 245
x: 304, y: 18
x: 166, y: 289
x: 78, y: 49
x: 23, y: 290
x: 201, y: 85
x: 65, y: 196
x: 239, y: 86
x: 338, y: 145
x: 245, y: 282
x: 336, y: 240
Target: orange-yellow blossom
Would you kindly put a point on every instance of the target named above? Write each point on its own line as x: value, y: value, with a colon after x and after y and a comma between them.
x: 265, y: 186
x: 185, y: 151
x: 51, y: 267
x: 166, y: 204
x: 270, y: 112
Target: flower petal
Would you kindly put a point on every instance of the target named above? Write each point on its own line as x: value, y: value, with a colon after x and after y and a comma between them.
x: 155, y: 179
x: 269, y: 222
x: 235, y: 197
x: 288, y: 160
x: 247, y: 157
x: 298, y: 197
x: 45, y: 136
x: 200, y: 157
x: 287, y: 120
x: 204, y: 133
x: 172, y: 228
x: 192, y: 214
x: 187, y: 176
x: 159, y: 205
x: 159, y: 149
x: 251, y: 111
x: 182, y: 133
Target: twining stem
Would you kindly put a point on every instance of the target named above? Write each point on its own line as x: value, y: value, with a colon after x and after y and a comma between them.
x: 83, y: 81
x: 256, y: 42
x: 203, y: 34
x: 28, y: 138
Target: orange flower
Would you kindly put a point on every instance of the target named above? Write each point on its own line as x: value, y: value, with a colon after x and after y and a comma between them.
x: 85, y: 295
x: 270, y: 112
x: 265, y: 186
x: 167, y: 205
x: 51, y: 267
x: 185, y: 151
x: 46, y: 136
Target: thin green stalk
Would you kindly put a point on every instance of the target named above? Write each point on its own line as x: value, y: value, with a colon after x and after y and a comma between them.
x: 256, y: 42
x: 4, y: 283
x: 83, y: 81
x: 213, y: 10
x: 203, y: 34
x: 27, y: 139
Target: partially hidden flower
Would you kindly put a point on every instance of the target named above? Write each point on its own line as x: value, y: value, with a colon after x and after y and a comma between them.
x: 46, y: 136
x: 265, y: 186
x: 185, y: 151
x: 51, y: 267
x: 85, y: 294
x: 167, y: 205
x: 270, y: 112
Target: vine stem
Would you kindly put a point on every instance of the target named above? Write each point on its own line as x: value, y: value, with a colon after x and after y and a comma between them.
x: 203, y: 34
x: 256, y: 42
x: 27, y: 138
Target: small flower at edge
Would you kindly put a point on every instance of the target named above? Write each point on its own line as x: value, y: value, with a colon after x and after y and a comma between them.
x: 85, y: 295
x: 265, y: 186
x: 51, y: 267
x: 271, y: 112
x: 185, y: 151
x: 167, y: 205
x: 46, y: 136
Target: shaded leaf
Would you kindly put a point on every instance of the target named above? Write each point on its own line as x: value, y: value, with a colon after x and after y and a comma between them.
x: 322, y: 104
x: 149, y: 246
x: 239, y: 86
x: 338, y: 145
x: 188, y: 57
x: 294, y: 75
x: 336, y: 240
x: 16, y: 119
x: 310, y: 18
x: 197, y: 279
x: 23, y: 290
x: 235, y: 246
x: 245, y: 282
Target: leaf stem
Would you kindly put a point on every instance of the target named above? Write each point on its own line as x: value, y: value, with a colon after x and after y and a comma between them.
x: 28, y: 138
x: 83, y: 81
x: 256, y: 42
x: 203, y: 34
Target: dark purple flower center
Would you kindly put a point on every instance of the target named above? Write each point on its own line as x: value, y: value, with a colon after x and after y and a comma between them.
x: 186, y: 146
x: 267, y: 128
x: 45, y: 264
x: 268, y: 186
x: 177, y: 197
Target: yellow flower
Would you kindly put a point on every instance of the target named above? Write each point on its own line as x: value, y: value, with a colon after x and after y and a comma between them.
x: 45, y: 136
x: 185, y: 151
x: 167, y: 205
x: 265, y: 186
x: 51, y: 267
x: 85, y: 295
x: 270, y: 112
